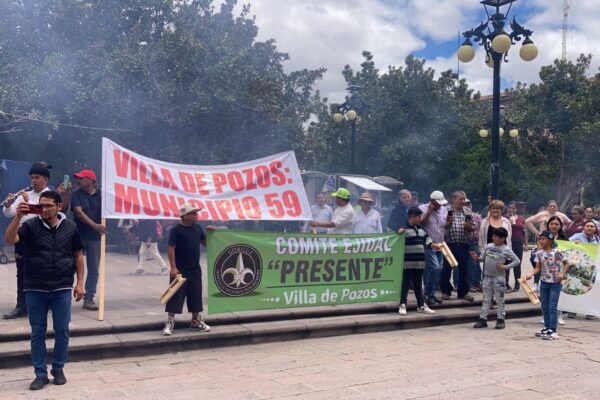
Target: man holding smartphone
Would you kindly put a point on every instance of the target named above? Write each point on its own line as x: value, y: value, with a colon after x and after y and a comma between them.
x: 39, y: 174
x: 54, y: 254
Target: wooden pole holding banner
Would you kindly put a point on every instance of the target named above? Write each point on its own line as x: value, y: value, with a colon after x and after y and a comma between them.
x: 102, y: 273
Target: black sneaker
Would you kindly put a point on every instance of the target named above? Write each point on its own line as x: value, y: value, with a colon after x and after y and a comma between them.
x: 481, y: 323
x: 542, y: 332
x: 59, y: 377
x: 500, y: 324
x: 90, y: 304
x: 39, y: 382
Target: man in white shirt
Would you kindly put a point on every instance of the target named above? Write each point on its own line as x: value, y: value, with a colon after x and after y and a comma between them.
x: 366, y: 219
x: 343, y: 216
x: 321, y: 211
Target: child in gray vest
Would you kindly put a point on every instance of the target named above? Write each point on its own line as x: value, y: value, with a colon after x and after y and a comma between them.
x: 497, y: 257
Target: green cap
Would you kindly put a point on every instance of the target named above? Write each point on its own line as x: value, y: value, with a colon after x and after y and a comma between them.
x: 342, y: 193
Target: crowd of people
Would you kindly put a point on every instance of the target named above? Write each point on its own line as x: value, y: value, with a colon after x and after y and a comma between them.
x: 50, y: 250
x: 487, y: 246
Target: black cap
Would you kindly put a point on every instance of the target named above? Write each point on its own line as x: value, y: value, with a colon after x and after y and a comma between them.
x: 40, y: 168
x: 547, y: 234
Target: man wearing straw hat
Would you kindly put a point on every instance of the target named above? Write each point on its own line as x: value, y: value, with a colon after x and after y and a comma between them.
x: 366, y: 219
x: 184, y: 257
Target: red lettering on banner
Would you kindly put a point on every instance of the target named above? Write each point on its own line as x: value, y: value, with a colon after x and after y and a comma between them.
x: 252, y: 208
x: 126, y: 202
x: 154, y: 180
x: 249, y: 172
x: 262, y: 176
x: 200, y: 183
x: 170, y: 204
x: 214, y: 214
x: 224, y: 208
x: 143, y: 173
x: 238, y: 208
x: 202, y: 215
x: 219, y: 180
x: 168, y: 179
x: 187, y: 182
x: 150, y: 203
x: 279, y: 177
x: 236, y: 182
x: 121, y: 162
x: 134, y: 168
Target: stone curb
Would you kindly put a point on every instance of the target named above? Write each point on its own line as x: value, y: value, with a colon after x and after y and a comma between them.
x: 146, y: 340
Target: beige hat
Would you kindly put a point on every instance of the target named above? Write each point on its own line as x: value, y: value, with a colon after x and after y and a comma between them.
x: 366, y: 196
x: 187, y: 208
x: 438, y: 197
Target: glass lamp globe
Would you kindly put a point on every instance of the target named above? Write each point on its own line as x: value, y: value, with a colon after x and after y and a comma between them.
x: 501, y: 132
x: 501, y: 43
x: 529, y: 51
x: 351, y: 115
x: 338, y: 117
x: 513, y: 133
x: 483, y: 133
x: 466, y: 53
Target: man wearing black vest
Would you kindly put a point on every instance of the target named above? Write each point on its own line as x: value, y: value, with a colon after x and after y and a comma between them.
x: 53, y: 254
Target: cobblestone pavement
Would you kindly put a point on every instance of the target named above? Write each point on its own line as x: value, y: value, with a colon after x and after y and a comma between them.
x: 448, y: 362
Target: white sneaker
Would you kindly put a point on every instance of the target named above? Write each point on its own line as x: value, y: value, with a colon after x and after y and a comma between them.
x: 140, y: 271
x: 542, y: 321
x: 560, y: 320
x: 535, y: 287
x: 169, y: 326
x: 402, y: 309
x: 425, y: 310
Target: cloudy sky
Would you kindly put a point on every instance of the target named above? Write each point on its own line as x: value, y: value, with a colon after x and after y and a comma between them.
x: 331, y: 34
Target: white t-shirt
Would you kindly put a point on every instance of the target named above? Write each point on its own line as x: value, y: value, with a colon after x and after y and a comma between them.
x: 343, y: 218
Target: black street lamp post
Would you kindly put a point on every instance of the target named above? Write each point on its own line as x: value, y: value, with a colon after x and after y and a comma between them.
x: 496, y: 42
x: 353, y: 109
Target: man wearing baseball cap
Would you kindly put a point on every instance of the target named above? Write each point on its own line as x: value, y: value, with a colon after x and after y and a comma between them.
x: 184, y: 258
x: 86, y: 206
x: 343, y: 216
x: 434, y: 223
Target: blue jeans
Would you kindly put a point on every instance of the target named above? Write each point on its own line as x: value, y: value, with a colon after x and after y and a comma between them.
x: 434, y: 260
x: 92, y: 263
x: 38, y: 304
x: 474, y: 269
x: 549, y: 294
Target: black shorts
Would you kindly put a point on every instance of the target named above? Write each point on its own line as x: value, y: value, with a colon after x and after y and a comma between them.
x: 190, y: 290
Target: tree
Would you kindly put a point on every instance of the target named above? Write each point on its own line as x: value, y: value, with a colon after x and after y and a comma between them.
x: 175, y: 80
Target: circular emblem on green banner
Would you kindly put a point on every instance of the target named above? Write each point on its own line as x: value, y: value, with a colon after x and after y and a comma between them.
x: 238, y: 270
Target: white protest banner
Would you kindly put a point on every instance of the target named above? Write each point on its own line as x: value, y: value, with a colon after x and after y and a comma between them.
x: 134, y: 186
x: 580, y: 293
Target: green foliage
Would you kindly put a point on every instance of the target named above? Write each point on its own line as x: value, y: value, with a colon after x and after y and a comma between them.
x: 176, y: 80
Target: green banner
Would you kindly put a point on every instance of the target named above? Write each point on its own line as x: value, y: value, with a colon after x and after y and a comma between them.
x: 261, y: 271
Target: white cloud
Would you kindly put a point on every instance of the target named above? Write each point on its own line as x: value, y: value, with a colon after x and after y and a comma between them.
x: 331, y: 34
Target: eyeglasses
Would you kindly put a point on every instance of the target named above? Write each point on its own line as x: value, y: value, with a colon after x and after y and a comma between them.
x: 47, y: 206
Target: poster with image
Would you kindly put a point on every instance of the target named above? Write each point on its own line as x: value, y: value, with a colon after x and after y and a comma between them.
x: 579, y: 292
